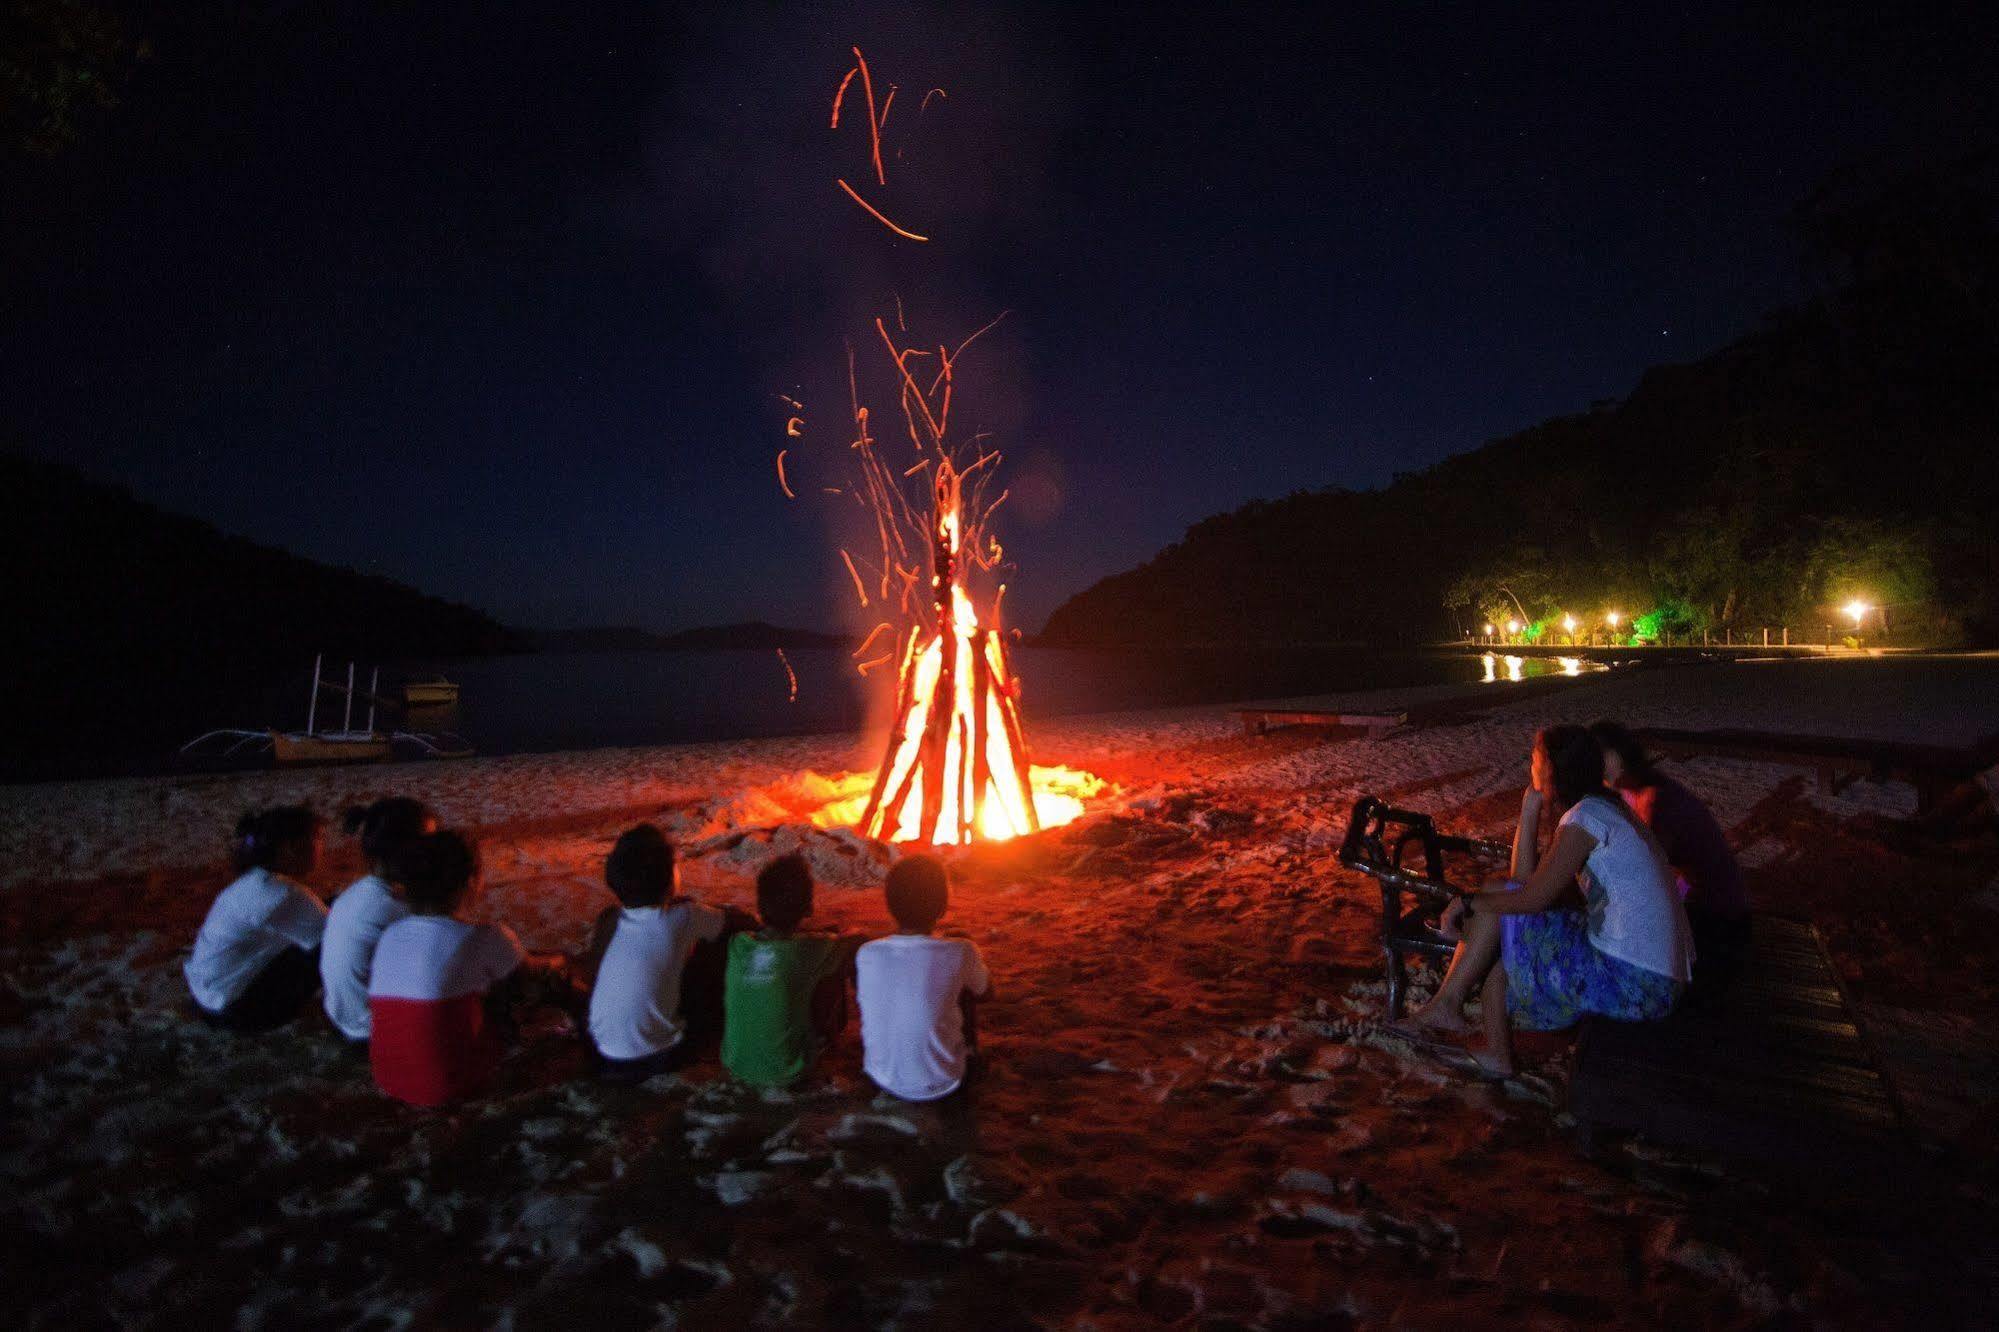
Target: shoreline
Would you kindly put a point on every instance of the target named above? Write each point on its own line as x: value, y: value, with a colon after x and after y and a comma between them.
x: 86, y: 829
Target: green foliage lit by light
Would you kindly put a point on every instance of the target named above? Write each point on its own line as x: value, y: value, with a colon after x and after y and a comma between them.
x: 1647, y: 628
x: 1534, y: 631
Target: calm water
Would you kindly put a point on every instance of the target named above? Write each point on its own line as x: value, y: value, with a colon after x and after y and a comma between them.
x: 548, y: 701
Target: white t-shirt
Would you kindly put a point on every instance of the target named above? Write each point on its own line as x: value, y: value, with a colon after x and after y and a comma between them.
x: 353, y: 927
x: 912, y: 1034
x: 1630, y: 892
x: 635, y: 1005
x: 252, y: 921
x: 432, y: 959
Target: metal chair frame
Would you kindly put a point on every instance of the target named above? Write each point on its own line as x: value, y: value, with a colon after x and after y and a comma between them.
x: 1378, y: 839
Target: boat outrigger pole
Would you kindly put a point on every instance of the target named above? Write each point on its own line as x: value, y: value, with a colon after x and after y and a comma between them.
x: 312, y: 705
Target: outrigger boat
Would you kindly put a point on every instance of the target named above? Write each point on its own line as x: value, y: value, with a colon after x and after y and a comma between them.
x: 314, y: 746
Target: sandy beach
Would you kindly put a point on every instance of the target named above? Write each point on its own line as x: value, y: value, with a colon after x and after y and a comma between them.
x: 1189, y: 1114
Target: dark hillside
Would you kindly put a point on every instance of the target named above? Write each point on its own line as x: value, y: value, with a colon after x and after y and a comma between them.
x: 1848, y: 448
x: 132, y: 628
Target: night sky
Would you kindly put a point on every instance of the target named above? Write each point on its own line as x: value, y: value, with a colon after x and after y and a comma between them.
x: 497, y: 299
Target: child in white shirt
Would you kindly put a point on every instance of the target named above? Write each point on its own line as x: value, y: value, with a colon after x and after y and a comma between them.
x: 368, y: 906
x: 637, y: 1023
x: 916, y: 991
x: 255, y: 962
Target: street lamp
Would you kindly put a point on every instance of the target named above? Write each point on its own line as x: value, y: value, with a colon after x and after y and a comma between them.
x: 1569, y: 623
x: 1488, y: 633
x: 1512, y: 628
x: 1857, y: 611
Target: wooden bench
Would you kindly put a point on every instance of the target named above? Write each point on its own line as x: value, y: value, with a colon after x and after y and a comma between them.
x: 1257, y: 721
x: 1378, y: 841
x: 1773, y: 1068
x: 1839, y: 761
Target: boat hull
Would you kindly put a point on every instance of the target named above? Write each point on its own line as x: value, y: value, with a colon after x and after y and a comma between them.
x: 328, y: 748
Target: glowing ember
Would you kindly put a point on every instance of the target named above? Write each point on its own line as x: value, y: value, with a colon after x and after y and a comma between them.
x: 956, y: 767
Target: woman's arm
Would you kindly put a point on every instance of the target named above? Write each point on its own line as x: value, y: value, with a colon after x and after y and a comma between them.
x: 1527, y: 837
x: 1565, y: 860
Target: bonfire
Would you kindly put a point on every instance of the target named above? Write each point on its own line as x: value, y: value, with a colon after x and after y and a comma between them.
x: 956, y: 767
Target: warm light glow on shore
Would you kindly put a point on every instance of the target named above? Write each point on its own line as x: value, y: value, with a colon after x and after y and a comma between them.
x: 1612, y: 618
x: 1857, y: 610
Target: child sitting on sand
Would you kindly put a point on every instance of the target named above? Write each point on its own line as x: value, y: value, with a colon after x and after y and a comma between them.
x: 367, y: 907
x: 636, y: 1018
x: 916, y: 990
x: 785, y: 994
x: 255, y: 962
x: 440, y: 985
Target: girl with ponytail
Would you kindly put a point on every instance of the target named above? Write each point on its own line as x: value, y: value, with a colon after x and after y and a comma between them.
x: 367, y: 907
x: 255, y: 962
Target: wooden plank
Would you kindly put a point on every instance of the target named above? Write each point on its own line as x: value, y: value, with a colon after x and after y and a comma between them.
x: 1776, y: 1064
x: 1258, y: 720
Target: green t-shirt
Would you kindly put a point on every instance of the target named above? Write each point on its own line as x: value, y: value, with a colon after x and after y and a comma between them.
x: 767, y: 1036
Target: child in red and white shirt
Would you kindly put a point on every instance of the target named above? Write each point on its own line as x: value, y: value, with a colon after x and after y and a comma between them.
x: 437, y: 993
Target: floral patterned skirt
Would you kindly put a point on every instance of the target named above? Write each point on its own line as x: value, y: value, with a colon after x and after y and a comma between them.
x: 1555, y: 976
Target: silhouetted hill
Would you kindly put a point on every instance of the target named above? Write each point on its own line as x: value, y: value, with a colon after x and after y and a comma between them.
x: 1846, y: 448
x: 132, y: 628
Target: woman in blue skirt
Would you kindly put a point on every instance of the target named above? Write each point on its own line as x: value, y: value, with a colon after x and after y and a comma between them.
x: 1626, y: 953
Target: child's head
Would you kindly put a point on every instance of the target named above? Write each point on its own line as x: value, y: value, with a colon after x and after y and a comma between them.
x: 640, y: 870
x: 784, y: 893
x: 387, y: 824
x: 284, y: 838
x: 1625, y: 762
x: 436, y: 870
x: 917, y: 892
x: 1573, y: 761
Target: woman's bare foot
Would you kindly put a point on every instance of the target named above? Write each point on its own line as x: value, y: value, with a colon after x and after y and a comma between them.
x: 1489, y: 1067
x: 1431, y: 1019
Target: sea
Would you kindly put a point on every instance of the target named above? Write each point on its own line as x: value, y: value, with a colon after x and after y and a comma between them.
x: 584, y: 700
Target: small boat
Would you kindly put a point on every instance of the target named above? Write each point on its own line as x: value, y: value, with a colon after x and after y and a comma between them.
x: 431, y: 693
x: 314, y: 746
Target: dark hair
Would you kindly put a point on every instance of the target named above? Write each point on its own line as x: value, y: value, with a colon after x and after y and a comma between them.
x: 1618, y: 739
x: 784, y: 892
x: 1577, y: 761
x: 386, y: 824
x: 434, y: 870
x: 639, y: 870
x: 263, y: 834
x: 917, y: 891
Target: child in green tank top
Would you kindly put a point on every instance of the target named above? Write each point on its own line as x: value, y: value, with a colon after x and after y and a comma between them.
x: 785, y: 994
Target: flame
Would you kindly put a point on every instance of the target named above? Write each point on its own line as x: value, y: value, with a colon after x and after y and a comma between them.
x: 956, y: 766
x: 1061, y: 796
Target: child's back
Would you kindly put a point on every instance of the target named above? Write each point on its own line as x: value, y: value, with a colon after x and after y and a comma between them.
x: 427, y: 995
x: 769, y: 1037
x: 911, y: 986
x: 354, y: 929
x: 369, y: 906
x: 635, y: 1010
x: 912, y: 1027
